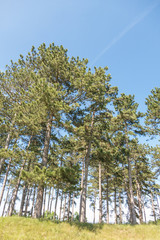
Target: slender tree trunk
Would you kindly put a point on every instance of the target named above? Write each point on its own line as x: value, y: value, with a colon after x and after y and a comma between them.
x: 60, y: 212
x: 18, y: 183
x: 115, y: 204
x: 64, y: 207
x: 82, y: 180
x: 50, y: 208
x: 7, y: 142
x: 94, y: 208
x: 44, y: 201
x: 23, y: 199
x: 27, y: 201
x: 72, y: 208
x: 144, y: 212
x: 84, y: 189
x: 120, y: 208
x: 6, y: 199
x: 39, y: 201
x: 55, y: 208
x: 34, y: 193
x: 100, y: 192
x: 49, y: 196
x: 153, y: 208
x: 69, y: 203
x: 158, y: 205
x: 139, y: 202
x: 5, y: 180
x: 107, y: 201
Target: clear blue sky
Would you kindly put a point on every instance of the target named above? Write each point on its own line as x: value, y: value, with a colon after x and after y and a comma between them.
x: 122, y: 34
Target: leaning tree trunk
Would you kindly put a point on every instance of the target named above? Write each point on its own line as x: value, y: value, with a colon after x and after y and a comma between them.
x: 5, y: 180
x: 6, y: 199
x: 39, y: 201
x: 14, y: 196
x: 84, y: 189
x: 100, y: 192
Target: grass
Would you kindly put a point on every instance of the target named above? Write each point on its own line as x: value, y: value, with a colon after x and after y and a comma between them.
x: 18, y: 228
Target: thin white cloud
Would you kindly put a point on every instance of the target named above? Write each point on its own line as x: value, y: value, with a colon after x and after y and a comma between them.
x: 137, y: 20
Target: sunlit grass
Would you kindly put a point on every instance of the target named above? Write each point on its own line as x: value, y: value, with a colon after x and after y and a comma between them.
x: 17, y: 228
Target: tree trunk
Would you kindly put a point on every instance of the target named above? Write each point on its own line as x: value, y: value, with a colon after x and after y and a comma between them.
x: 120, y: 208
x: 69, y: 203
x: 139, y: 202
x: 100, y: 192
x: 34, y: 193
x: 107, y: 201
x: 49, y: 199
x: 115, y: 204
x: 5, y: 180
x: 153, y: 208
x: 144, y: 212
x: 27, y: 201
x: 6, y: 199
x: 39, y: 201
x: 94, y: 208
x: 82, y: 181
x: 72, y: 208
x: 50, y: 208
x: 60, y: 212
x: 84, y: 189
x: 23, y: 199
x: 44, y: 202
x: 64, y: 207
x: 55, y: 208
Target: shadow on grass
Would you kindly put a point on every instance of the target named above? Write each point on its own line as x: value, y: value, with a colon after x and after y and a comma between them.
x: 88, y: 226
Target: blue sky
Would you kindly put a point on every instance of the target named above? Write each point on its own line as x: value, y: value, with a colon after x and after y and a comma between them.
x: 121, y: 34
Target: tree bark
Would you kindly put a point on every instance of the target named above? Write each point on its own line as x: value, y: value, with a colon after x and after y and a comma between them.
x: 139, y: 202
x: 6, y: 199
x: 5, y: 180
x: 55, y: 208
x: 72, y: 208
x: 60, y: 212
x: 69, y: 203
x: 84, y: 189
x: 120, y: 208
x: 39, y: 201
x: 64, y: 207
x: 100, y: 192
x: 107, y: 201
x: 153, y: 208
x: 23, y: 199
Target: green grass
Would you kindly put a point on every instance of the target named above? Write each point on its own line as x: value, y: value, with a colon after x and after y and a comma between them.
x: 17, y: 228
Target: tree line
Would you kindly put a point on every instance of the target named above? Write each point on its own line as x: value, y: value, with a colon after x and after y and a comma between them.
x: 67, y: 134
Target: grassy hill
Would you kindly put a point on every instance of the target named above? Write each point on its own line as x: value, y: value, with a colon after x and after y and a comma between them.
x: 16, y: 228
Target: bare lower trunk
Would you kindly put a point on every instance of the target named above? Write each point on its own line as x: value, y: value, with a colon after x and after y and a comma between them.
x: 39, y: 201
x: 100, y: 193
x: 49, y: 196
x: 69, y: 203
x: 27, y: 201
x: 158, y: 205
x: 82, y: 180
x: 34, y: 193
x: 120, y: 208
x: 44, y: 202
x: 144, y: 212
x: 94, y: 208
x: 139, y: 202
x: 64, y: 207
x: 6, y: 199
x: 72, y: 208
x: 84, y: 189
x: 23, y: 199
x: 153, y: 208
x: 115, y: 205
x: 50, y: 207
x: 5, y: 180
x: 132, y: 205
x: 55, y: 208
x: 60, y: 211
x: 107, y: 201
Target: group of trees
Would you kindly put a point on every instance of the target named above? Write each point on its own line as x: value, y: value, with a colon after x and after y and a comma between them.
x: 67, y: 134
